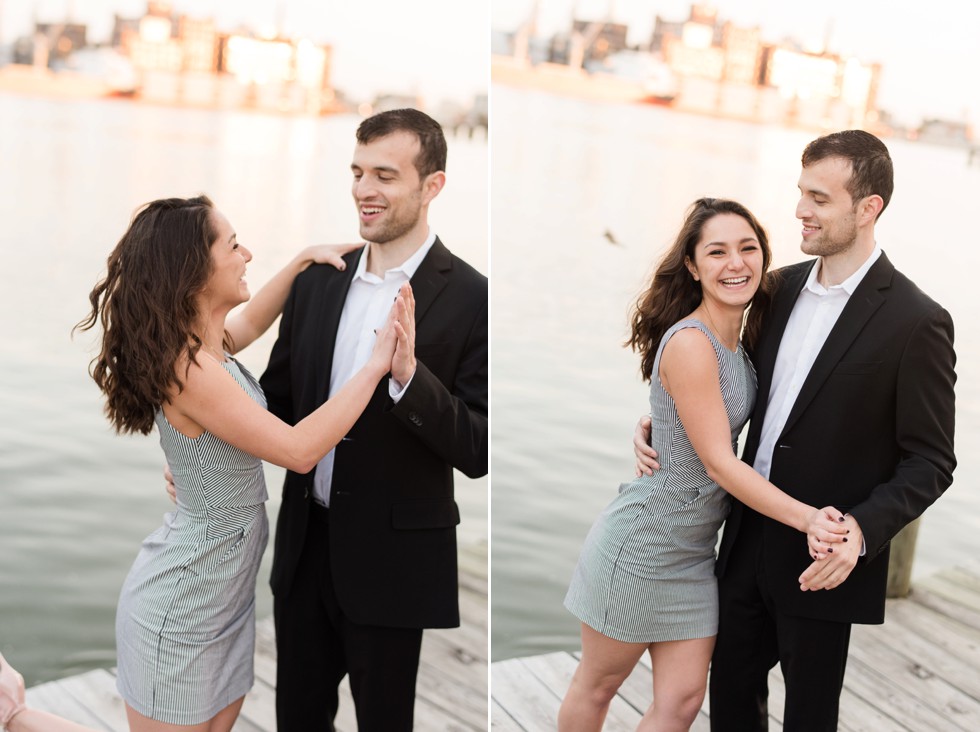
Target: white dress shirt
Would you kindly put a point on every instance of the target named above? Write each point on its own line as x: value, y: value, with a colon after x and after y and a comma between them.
x: 368, y: 301
x: 813, y: 317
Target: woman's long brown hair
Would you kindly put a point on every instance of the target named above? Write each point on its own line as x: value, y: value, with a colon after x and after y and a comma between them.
x: 146, y: 306
x: 673, y: 293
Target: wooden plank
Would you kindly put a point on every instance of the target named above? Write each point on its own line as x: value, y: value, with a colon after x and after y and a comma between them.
x: 529, y: 702
x: 906, y: 672
x: 857, y: 715
x: 442, y: 689
x: 935, y: 600
x: 875, y: 687
x: 501, y: 721
x: 96, y: 691
x: 920, y: 653
x: 953, y: 592
x: 53, y: 698
x: 955, y: 638
x: 967, y: 576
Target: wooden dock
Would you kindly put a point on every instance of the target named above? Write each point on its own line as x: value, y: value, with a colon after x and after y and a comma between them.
x: 451, y: 689
x: 918, y: 671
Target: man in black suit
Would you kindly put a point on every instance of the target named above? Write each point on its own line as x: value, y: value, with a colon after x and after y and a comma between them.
x: 855, y: 410
x: 365, y: 551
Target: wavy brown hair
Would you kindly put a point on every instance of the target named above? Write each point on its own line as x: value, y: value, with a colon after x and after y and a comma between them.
x: 673, y: 293
x: 146, y: 306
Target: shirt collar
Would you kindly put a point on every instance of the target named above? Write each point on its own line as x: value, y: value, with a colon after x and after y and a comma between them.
x: 409, y: 266
x: 850, y: 284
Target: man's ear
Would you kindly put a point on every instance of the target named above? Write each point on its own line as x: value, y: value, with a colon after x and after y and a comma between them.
x: 431, y: 186
x: 869, y: 208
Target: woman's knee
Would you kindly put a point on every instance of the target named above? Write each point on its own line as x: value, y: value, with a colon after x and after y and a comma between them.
x: 689, y: 703
x: 599, y: 689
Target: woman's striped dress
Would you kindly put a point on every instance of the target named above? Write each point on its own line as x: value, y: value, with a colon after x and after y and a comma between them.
x: 185, y: 625
x: 646, y: 572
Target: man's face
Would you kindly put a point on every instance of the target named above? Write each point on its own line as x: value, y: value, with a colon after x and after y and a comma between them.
x: 828, y: 214
x: 387, y: 189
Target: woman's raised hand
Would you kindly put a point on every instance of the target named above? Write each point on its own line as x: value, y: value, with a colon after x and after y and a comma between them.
x: 403, y: 362
x: 385, y: 341
x: 824, y: 529
x: 331, y: 254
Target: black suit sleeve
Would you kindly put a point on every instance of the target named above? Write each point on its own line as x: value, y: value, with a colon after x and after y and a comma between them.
x: 924, y: 422
x: 276, y: 381
x: 453, y: 422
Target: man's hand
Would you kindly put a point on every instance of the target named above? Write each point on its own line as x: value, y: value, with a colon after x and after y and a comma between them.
x: 646, y: 456
x: 403, y: 362
x: 826, y: 574
x: 168, y: 478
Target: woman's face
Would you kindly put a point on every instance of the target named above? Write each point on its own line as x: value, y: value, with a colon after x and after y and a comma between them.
x: 728, y: 260
x: 226, y: 284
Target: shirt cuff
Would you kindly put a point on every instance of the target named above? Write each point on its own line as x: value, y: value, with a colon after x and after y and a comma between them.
x: 396, y: 391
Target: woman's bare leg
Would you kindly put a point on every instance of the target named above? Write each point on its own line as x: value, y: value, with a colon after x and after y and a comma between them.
x: 604, y: 665
x: 680, y: 678
x: 221, y: 722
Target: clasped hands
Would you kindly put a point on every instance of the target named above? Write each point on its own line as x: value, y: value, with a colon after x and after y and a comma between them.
x: 834, y: 539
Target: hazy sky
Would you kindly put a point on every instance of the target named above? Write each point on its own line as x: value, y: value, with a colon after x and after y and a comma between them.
x: 930, y: 52
x: 435, y: 47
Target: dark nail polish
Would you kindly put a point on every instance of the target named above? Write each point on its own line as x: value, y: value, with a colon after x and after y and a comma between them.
x: 830, y: 549
x: 845, y: 538
x: 841, y: 519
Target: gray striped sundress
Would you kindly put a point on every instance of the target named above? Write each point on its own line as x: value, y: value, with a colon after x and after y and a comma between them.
x: 646, y: 571
x: 185, y: 624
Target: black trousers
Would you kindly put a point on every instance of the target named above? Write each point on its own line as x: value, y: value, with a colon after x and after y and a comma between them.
x: 318, y: 645
x: 753, y: 636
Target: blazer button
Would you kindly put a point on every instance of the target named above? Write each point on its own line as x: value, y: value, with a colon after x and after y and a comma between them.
x: 415, y: 418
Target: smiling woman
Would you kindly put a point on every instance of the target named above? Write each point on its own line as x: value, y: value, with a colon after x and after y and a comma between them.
x: 185, y: 623
x: 645, y: 581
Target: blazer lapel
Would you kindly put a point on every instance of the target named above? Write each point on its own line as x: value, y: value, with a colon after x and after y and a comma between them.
x: 330, y: 306
x: 430, y: 278
x: 866, y: 299
x: 768, y: 348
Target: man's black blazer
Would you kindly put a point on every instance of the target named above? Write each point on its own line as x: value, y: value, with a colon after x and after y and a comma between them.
x: 870, y: 433
x: 393, y: 515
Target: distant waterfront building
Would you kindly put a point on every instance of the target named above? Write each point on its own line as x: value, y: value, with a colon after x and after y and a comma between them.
x: 944, y: 132
x: 824, y: 85
x: 51, y: 44
x: 743, y: 54
x: 154, y: 47
x: 727, y: 69
x: 185, y: 59
x: 201, y: 43
x: 587, y: 43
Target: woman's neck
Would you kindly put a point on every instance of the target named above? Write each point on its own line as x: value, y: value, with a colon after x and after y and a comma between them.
x: 725, y: 323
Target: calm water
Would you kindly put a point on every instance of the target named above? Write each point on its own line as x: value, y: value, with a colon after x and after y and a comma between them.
x: 75, y: 499
x: 566, y: 395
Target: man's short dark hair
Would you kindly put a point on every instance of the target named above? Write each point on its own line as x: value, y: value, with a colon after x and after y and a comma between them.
x: 432, y: 142
x: 871, y: 165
